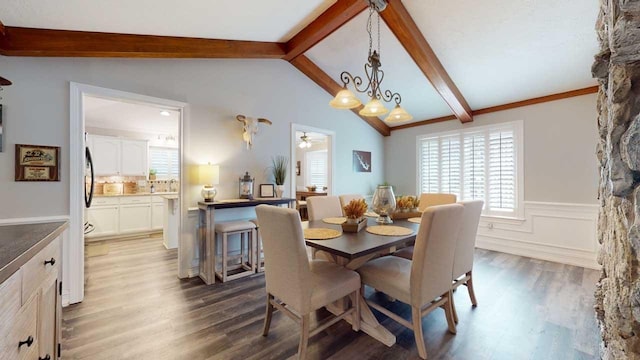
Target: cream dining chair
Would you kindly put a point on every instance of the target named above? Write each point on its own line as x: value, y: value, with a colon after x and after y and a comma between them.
x: 425, y: 282
x: 433, y: 199
x: 465, y: 246
x: 345, y: 199
x: 320, y: 207
x: 296, y: 285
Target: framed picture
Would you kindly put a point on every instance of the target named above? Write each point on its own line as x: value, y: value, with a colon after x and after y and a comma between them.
x: 361, y: 161
x: 37, y: 163
x: 297, y: 168
x: 267, y: 190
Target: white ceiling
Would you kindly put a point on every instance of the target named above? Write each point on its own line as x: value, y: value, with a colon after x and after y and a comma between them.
x: 495, y: 51
x: 118, y: 115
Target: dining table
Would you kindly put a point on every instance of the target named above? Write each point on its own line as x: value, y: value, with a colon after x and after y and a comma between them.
x: 354, y: 249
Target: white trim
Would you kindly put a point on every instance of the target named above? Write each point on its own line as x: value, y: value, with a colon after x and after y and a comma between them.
x: 331, y: 147
x: 34, y: 220
x: 546, y: 233
x: 73, y: 248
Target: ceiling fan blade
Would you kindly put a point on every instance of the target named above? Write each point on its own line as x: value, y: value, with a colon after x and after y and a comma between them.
x: 4, y: 82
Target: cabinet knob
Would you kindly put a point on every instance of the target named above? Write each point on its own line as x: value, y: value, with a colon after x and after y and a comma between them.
x: 47, y: 357
x: 52, y: 262
x: 27, y: 342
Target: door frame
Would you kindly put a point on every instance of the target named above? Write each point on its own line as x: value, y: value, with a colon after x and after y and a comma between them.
x: 331, y: 149
x: 73, y: 249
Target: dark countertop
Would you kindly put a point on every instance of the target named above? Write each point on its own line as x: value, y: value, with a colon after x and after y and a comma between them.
x: 19, y: 243
x: 237, y: 203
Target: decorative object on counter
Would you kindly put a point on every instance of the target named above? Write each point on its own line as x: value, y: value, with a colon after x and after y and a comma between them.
x: 113, y: 189
x: 250, y: 128
x: 209, y: 175
x: 37, y: 163
x: 152, y: 189
x: 384, y: 202
x: 297, y: 167
x: 279, y: 166
x: 361, y: 161
x: 267, y: 191
x: 245, y: 186
x: 152, y: 174
x: 345, y: 99
x: 130, y: 187
x: 354, y: 211
x: 312, y: 188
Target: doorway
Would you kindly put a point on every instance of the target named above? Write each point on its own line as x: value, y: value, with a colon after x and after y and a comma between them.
x: 129, y: 152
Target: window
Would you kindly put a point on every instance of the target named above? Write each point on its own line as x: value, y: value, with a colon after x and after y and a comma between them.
x: 477, y: 163
x: 165, y: 161
x: 316, y: 166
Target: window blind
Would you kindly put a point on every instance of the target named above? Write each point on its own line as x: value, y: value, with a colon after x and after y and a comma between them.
x: 479, y: 163
x: 317, y: 171
x: 165, y: 161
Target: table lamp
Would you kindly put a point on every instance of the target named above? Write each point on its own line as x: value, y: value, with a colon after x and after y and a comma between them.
x: 209, y: 175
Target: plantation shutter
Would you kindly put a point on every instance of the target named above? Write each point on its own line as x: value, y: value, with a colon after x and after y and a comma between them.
x: 429, y: 166
x: 474, y: 166
x: 317, y: 168
x: 450, y: 165
x: 165, y: 161
x: 502, y: 171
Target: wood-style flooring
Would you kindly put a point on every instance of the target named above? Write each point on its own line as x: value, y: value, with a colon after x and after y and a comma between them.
x: 136, y: 308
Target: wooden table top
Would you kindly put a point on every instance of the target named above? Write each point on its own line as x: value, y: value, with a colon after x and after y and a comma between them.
x: 355, y: 245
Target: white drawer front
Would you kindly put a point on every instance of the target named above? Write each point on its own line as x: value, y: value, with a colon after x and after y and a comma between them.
x: 98, y: 201
x: 43, y: 265
x: 157, y: 199
x: 135, y: 200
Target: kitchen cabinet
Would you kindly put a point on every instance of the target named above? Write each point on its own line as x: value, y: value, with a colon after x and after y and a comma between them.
x: 116, y: 156
x: 135, y: 218
x: 157, y: 216
x: 104, y: 218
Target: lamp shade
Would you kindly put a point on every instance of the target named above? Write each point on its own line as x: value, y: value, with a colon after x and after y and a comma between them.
x: 373, y: 108
x: 398, y: 114
x: 345, y: 99
x: 209, y: 174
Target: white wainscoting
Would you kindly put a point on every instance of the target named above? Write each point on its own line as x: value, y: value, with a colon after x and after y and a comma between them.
x: 559, y: 232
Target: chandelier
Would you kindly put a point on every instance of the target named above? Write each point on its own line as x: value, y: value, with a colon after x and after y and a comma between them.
x: 345, y: 99
x: 305, y: 141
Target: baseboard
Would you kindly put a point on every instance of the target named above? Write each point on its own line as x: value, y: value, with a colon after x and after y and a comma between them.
x: 558, y: 232
x: 127, y: 236
x: 34, y: 220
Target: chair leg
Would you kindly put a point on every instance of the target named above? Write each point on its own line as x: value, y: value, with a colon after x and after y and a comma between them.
x: 453, y: 309
x: 304, y: 337
x: 416, y: 319
x: 355, y: 323
x: 449, y: 312
x: 472, y: 293
x: 267, y: 316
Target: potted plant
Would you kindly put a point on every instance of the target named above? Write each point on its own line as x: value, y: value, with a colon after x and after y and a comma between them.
x: 152, y: 174
x: 354, y: 211
x: 279, y: 166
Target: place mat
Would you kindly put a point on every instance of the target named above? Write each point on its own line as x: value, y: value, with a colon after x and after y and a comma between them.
x: 335, y: 220
x: 321, y: 233
x: 370, y: 214
x: 389, y: 230
x: 415, y: 220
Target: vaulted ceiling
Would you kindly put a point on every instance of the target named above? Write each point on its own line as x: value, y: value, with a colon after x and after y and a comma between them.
x: 448, y: 59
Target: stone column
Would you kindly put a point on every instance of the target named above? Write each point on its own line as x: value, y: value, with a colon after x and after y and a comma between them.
x: 617, y: 68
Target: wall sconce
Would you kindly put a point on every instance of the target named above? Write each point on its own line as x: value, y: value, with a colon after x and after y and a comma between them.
x: 209, y: 175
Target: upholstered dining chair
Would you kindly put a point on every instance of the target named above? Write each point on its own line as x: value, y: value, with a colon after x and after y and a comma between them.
x: 465, y: 246
x: 433, y: 199
x: 320, y: 207
x: 345, y: 199
x: 424, y: 282
x: 296, y: 285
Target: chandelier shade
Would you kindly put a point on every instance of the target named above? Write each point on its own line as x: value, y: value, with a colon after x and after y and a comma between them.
x: 345, y: 99
x: 373, y: 108
x: 398, y: 114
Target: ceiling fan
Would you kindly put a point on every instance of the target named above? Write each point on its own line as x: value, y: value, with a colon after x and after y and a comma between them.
x: 305, y: 141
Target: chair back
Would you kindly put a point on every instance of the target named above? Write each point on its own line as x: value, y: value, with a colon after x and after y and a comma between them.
x: 433, y: 252
x: 345, y: 199
x: 432, y: 199
x: 287, y: 272
x: 463, y: 260
x: 320, y: 207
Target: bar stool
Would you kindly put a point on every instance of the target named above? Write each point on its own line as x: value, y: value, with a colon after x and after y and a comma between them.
x: 258, y: 255
x: 246, y: 230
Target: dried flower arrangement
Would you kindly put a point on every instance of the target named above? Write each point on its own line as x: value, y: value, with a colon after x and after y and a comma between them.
x: 355, y: 209
x: 404, y: 202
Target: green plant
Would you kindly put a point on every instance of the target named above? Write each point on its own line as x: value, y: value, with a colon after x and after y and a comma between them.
x: 279, y: 168
x: 153, y: 171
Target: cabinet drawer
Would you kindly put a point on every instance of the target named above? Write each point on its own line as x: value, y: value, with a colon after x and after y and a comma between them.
x: 97, y: 201
x: 24, y: 328
x: 157, y: 199
x: 35, y: 271
x: 10, y: 300
x: 135, y: 200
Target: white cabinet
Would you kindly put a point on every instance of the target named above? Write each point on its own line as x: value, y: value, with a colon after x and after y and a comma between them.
x: 135, y: 217
x: 114, y: 156
x: 157, y: 216
x: 134, y: 161
x: 104, y: 218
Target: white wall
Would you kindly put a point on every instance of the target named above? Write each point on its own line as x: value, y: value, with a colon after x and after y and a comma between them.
x: 560, y: 179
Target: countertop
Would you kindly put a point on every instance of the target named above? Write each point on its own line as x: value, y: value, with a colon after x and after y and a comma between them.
x: 19, y: 243
x: 237, y: 203
x: 139, y: 194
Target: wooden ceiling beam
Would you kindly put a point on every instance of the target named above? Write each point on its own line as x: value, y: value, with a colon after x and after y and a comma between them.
x: 313, y: 72
x: 19, y: 41
x: 513, y: 105
x: 329, y: 21
x: 1, y: 29
x: 405, y: 29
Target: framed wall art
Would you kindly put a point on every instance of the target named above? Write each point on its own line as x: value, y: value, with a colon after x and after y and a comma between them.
x: 361, y: 161
x: 37, y: 163
x: 267, y: 190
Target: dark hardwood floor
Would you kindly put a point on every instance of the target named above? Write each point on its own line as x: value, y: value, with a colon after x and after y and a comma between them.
x: 136, y: 308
